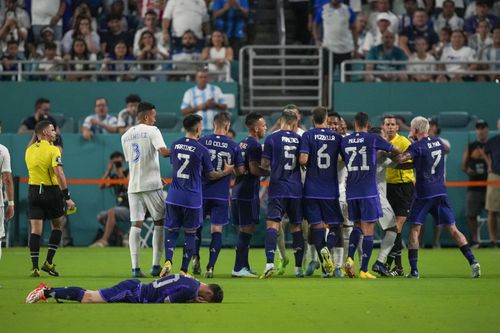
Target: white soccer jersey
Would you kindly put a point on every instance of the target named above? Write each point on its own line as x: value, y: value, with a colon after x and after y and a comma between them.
x: 4, y: 167
x: 388, y: 219
x: 140, y: 146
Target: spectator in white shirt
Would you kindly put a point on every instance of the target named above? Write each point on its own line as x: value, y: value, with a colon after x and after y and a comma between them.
x: 82, y: 29
x: 481, y: 39
x: 218, y: 53
x: 151, y: 25
x: 100, y: 122
x: 419, y: 62
x: 127, y: 116
x: 47, y: 12
x: 457, y: 51
x: 448, y: 18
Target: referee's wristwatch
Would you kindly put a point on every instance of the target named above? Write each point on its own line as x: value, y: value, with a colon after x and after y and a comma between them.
x: 66, y: 195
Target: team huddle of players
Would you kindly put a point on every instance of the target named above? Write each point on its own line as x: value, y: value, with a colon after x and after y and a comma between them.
x: 330, y: 187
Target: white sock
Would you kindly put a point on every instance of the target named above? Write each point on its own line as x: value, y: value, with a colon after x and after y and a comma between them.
x: 281, y: 244
x: 312, y: 251
x: 346, y: 233
x: 386, y: 245
x: 158, y: 245
x: 338, y: 256
x: 134, y: 239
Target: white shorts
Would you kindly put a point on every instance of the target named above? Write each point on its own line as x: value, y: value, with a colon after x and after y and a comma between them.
x: 388, y: 220
x: 152, y: 201
x: 2, y: 218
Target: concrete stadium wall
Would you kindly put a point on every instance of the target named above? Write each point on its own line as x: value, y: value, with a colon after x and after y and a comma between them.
x: 426, y: 99
x: 76, y: 99
x: 84, y: 159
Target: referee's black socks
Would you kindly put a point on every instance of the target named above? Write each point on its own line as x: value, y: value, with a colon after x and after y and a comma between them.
x: 34, y: 249
x: 54, y: 241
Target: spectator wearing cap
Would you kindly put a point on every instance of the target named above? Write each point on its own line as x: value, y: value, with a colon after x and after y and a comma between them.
x: 383, y: 6
x: 14, y: 25
x: 230, y: 17
x: 475, y: 166
x: 46, y: 13
x: 82, y: 29
x: 482, y: 13
x: 180, y: 16
x: 204, y: 99
x: 492, y: 53
x: 419, y: 28
x: 448, y: 18
x: 492, y: 150
x: 47, y: 36
x: 374, y: 38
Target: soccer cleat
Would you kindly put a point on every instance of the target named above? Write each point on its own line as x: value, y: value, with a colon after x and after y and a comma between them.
x: 476, y: 270
x: 99, y: 243
x: 313, y: 265
x: 209, y: 274
x: 137, y: 273
x: 413, y: 275
x: 37, y: 294
x: 268, y: 271
x: 155, y: 270
x: 35, y: 272
x: 196, y: 266
x: 396, y: 271
x: 327, y: 260
x: 338, y: 272
x: 185, y: 274
x: 349, y: 268
x: 50, y: 269
x: 244, y: 272
x: 381, y: 269
x: 366, y: 275
x: 252, y: 271
x: 282, y: 263
x: 298, y: 272
x: 167, y: 268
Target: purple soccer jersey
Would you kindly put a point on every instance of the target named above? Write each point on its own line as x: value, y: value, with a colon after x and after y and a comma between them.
x: 323, y: 147
x: 428, y: 159
x: 178, y: 288
x: 359, y: 152
x: 246, y: 187
x: 282, y: 149
x: 189, y: 160
x: 221, y: 149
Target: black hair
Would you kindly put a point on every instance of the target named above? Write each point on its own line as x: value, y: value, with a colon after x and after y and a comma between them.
x: 388, y: 116
x: 232, y: 132
x: 116, y: 154
x: 289, y: 117
x: 217, y: 293
x: 40, y: 101
x: 145, y: 107
x: 133, y: 98
x: 50, y: 46
x: 361, y: 119
x: 191, y: 121
x: 113, y: 16
x: 433, y: 122
x: 319, y: 115
x: 252, y: 118
x: 376, y: 130
x: 222, y: 118
x: 334, y: 114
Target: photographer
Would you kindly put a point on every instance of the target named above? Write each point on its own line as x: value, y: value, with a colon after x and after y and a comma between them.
x: 120, y: 213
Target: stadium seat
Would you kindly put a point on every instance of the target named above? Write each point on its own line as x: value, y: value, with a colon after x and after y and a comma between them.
x: 454, y: 120
x: 65, y: 124
x: 167, y: 121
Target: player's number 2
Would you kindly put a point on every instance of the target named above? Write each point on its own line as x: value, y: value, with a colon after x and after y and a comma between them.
x: 185, y: 161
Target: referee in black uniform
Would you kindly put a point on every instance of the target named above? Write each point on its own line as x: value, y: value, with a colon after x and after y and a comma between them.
x: 46, y: 195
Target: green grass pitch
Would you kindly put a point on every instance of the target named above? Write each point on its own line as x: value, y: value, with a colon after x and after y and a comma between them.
x: 445, y: 299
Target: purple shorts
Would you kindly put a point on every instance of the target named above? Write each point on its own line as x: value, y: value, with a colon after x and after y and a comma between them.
x: 365, y: 209
x: 245, y: 212
x: 322, y: 210
x: 127, y: 291
x: 179, y: 216
x: 438, y: 207
x: 278, y: 207
x: 218, y: 210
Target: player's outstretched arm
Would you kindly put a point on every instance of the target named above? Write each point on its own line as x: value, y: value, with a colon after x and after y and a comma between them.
x: 164, y: 151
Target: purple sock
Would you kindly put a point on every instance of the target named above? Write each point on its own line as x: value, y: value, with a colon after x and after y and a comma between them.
x: 190, y: 250
x: 271, y: 241
x: 467, y: 252
x: 413, y: 259
x: 298, y: 247
x: 242, y: 246
x: 354, y: 241
x: 68, y: 293
x: 215, y: 246
x: 333, y: 236
x: 367, y: 252
x: 318, y: 236
x: 170, y: 240
x: 185, y: 259
x: 198, y: 241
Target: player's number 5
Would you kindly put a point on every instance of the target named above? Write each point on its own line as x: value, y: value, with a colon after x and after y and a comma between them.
x: 290, y: 155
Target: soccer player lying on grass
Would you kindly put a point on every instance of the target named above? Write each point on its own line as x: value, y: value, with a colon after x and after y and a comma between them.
x: 427, y: 154
x: 175, y: 288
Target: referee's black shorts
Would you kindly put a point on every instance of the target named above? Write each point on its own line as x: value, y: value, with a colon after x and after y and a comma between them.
x: 46, y: 205
x: 400, y: 197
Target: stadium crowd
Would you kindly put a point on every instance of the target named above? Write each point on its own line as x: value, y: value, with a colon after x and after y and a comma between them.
x: 60, y: 34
